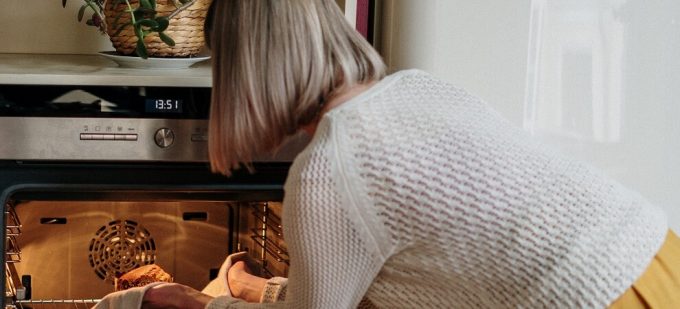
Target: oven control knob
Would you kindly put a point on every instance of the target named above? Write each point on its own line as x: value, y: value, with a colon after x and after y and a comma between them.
x: 164, y: 137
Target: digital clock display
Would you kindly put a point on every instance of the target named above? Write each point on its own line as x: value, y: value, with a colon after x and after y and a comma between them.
x: 164, y: 106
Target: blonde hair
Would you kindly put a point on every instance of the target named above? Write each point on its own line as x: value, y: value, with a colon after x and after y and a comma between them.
x: 274, y: 64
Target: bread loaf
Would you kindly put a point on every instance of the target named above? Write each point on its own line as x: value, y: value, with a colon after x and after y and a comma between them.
x: 142, y: 276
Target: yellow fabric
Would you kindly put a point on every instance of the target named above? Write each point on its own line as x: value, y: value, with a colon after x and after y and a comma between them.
x: 659, y: 286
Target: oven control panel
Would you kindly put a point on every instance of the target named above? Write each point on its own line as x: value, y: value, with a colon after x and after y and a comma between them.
x: 120, y: 139
x: 115, y: 139
x: 108, y: 137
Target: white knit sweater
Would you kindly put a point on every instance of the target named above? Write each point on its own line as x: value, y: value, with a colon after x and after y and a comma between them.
x: 416, y: 194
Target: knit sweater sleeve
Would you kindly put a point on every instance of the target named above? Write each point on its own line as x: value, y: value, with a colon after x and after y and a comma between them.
x: 333, y: 253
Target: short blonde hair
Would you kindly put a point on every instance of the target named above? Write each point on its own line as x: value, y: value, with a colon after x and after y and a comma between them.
x: 274, y: 64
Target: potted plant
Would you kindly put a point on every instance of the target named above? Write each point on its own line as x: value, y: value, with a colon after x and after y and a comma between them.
x: 149, y: 28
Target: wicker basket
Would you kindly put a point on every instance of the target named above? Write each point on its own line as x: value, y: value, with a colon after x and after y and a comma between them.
x: 186, y: 29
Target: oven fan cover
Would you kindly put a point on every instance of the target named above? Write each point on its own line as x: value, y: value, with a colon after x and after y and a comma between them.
x: 120, y: 246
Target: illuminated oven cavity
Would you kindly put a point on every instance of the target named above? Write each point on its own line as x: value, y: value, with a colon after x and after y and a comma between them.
x: 120, y: 246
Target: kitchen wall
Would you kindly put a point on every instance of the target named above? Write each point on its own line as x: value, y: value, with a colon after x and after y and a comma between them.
x: 599, y: 79
x: 480, y: 45
x: 43, y: 26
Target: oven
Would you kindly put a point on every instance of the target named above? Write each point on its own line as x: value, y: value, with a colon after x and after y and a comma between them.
x: 96, y: 180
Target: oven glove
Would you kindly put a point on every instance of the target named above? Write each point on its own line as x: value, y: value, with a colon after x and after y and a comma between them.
x: 130, y: 298
x: 274, y: 290
x: 219, y: 286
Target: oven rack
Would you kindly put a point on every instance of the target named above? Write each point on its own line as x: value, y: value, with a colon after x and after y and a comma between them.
x: 53, y: 303
x: 265, y: 236
x: 13, y: 227
x: 269, y: 245
x: 12, y: 231
x: 12, y: 251
x: 268, y: 218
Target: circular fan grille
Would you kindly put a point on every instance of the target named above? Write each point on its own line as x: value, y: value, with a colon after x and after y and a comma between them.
x: 119, y: 247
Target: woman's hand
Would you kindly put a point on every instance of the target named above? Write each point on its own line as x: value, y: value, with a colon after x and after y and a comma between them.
x: 243, y: 285
x: 175, y: 296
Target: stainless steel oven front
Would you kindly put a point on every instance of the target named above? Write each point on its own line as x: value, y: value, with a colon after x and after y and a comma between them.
x: 98, y: 180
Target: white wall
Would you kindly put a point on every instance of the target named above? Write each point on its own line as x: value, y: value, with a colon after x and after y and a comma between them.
x: 599, y: 79
x: 480, y: 45
x: 43, y: 26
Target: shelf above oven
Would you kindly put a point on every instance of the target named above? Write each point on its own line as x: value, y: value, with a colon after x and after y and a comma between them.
x: 94, y: 70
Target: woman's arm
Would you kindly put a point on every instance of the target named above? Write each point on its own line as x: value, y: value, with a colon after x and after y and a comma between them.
x: 254, y: 289
x: 333, y: 255
x: 174, y: 296
x: 243, y: 285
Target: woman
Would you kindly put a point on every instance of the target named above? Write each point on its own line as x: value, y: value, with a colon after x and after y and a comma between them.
x: 413, y: 193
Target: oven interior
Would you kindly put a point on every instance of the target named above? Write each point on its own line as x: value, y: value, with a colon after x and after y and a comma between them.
x: 67, y: 253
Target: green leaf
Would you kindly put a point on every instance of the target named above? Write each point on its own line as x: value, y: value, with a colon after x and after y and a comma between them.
x: 139, y: 33
x: 145, y: 4
x: 138, y: 14
x: 153, y: 4
x: 163, y: 23
x: 81, y: 12
x: 146, y: 11
x: 147, y: 23
x: 166, y: 39
x: 141, y: 50
x: 141, y: 47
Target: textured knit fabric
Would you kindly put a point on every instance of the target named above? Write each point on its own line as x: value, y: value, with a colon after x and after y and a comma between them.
x: 274, y: 290
x: 659, y: 286
x: 416, y: 194
x: 276, y: 287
